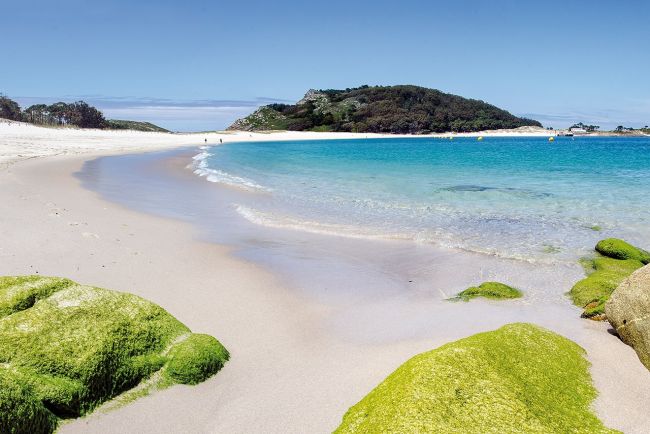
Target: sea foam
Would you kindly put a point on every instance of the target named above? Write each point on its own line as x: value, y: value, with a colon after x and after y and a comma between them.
x: 201, y: 168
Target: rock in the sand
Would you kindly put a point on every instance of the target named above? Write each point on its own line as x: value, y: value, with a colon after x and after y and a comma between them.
x: 493, y: 290
x: 66, y: 348
x: 617, y: 259
x: 628, y: 311
x: 519, y: 378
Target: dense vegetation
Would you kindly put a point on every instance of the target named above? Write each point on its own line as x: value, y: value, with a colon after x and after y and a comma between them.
x: 587, y: 128
x: 382, y: 109
x: 66, y: 348
x: 519, y: 378
x: 616, y: 260
x: 118, y: 124
x: 78, y: 114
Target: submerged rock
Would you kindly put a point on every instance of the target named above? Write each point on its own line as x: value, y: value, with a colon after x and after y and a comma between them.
x: 619, y: 249
x: 66, y: 348
x: 519, y: 378
x: 628, y: 311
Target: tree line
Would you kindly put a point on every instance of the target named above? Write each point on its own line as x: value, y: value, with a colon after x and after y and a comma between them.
x: 78, y: 114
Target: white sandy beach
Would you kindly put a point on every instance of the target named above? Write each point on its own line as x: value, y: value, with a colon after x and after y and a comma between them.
x: 289, y: 373
x: 23, y: 141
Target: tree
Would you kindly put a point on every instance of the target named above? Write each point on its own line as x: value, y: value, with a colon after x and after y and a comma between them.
x: 37, y: 114
x: 9, y: 109
x: 58, y: 112
x: 86, y: 116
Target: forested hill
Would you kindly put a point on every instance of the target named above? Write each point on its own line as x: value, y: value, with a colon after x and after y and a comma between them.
x: 77, y: 114
x: 382, y: 109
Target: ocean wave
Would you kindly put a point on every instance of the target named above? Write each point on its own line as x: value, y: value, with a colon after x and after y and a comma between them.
x: 201, y: 168
x: 315, y: 227
x: 437, y: 238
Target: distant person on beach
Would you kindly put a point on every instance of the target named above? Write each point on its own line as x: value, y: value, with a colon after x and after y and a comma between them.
x: 205, y: 140
x: 220, y: 140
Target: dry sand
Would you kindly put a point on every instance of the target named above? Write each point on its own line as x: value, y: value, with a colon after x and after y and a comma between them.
x: 288, y: 373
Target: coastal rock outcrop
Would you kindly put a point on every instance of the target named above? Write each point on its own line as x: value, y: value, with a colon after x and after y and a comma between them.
x: 628, y: 311
x: 616, y: 260
x: 66, y: 348
x: 519, y: 378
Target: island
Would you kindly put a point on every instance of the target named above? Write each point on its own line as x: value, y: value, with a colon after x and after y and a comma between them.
x: 400, y: 109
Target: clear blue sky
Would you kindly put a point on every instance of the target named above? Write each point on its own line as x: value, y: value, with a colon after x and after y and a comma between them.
x: 197, y: 64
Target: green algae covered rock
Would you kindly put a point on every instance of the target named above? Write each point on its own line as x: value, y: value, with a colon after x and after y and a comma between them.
x: 196, y: 359
x: 604, y: 274
x: 72, y: 347
x: 21, y: 411
x: 519, y: 378
x: 21, y: 292
x: 619, y: 249
x: 628, y: 311
x: 494, y: 290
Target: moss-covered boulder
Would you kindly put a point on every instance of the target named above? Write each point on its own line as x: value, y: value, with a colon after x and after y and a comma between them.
x: 196, y: 359
x: 21, y: 411
x: 493, y: 290
x: 628, y: 310
x: 65, y: 348
x: 617, y: 260
x: 519, y: 378
x: 619, y: 249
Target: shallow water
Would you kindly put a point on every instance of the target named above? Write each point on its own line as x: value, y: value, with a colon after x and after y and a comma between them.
x: 523, y: 198
x: 374, y: 289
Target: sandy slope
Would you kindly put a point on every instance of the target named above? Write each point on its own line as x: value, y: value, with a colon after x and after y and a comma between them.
x: 288, y: 372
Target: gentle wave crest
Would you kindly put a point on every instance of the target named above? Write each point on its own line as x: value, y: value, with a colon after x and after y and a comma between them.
x: 201, y: 168
x: 437, y: 238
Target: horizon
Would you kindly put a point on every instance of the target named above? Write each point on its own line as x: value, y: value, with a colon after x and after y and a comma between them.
x: 171, y: 65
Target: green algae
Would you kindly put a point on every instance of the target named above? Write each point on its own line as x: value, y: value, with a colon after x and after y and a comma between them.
x: 20, y: 409
x: 551, y: 249
x: 21, y: 292
x: 617, y: 260
x: 519, y: 378
x: 196, y: 359
x: 492, y: 290
x: 74, y: 347
x: 619, y: 249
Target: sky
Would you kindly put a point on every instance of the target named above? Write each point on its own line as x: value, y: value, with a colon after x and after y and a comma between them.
x: 195, y: 65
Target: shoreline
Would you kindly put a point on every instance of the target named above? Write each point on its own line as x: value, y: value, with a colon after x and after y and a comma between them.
x: 284, y: 355
x: 21, y: 141
x: 615, y: 373
x: 63, y: 229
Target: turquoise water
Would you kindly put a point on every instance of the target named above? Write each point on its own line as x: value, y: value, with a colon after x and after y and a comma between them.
x: 523, y: 198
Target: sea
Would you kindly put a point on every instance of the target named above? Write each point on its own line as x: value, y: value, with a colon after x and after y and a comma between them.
x: 384, y: 232
x: 522, y: 198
